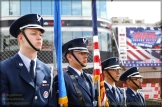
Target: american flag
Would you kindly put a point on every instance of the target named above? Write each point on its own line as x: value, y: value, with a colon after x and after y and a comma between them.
x: 102, y: 99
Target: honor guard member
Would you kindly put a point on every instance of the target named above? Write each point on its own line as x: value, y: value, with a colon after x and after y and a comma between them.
x: 133, y: 79
x: 79, y: 85
x: 25, y: 80
x: 111, y: 71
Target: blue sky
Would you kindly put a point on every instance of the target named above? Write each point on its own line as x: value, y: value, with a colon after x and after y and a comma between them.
x: 150, y: 11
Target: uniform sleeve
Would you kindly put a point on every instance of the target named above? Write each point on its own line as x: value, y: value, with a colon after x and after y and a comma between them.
x: 4, y: 89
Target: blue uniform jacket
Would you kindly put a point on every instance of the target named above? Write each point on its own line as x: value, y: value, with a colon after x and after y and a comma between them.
x: 73, y: 101
x: 111, y: 98
x: 133, y: 100
x: 18, y: 89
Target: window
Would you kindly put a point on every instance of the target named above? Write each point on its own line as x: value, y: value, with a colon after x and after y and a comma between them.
x: 14, y: 8
x: 4, y: 8
x: 77, y: 34
x: 87, y: 33
x: 47, y: 7
x: 66, y: 36
x: 25, y: 7
x: 103, y: 9
x: 36, y: 6
x: 98, y: 8
x: 47, y: 40
x: 86, y: 8
x: 66, y: 7
x: 109, y: 43
x: 76, y: 7
x: 104, y: 41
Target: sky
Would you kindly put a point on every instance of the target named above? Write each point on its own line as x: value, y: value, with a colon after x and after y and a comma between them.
x: 150, y: 11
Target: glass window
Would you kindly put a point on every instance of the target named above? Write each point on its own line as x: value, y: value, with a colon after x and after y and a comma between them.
x: 14, y: 8
x: 47, y: 40
x: 77, y: 34
x: 87, y: 34
x: 52, y: 7
x: 109, y: 43
x: 47, y: 7
x: 99, y: 41
x: 104, y: 41
x: 4, y: 8
x: 86, y: 8
x: 103, y: 9
x: 76, y: 7
x: 98, y: 8
x: 9, y: 42
x: 25, y: 7
x: 66, y: 36
x: 66, y: 7
x: 36, y: 6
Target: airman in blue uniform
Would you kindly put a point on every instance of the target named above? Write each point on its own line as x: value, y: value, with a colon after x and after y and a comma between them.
x: 133, y: 79
x: 111, y: 71
x: 25, y: 80
x: 79, y: 85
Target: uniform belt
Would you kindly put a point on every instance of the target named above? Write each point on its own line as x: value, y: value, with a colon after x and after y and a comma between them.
x: 76, y: 86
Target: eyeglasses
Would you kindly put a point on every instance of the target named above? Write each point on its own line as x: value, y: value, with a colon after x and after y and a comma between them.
x: 138, y: 79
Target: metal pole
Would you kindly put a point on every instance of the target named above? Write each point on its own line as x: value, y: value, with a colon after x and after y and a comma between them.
x: 113, y: 36
x: 54, y: 58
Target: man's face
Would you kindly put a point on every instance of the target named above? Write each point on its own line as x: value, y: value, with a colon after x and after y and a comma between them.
x: 34, y: 36
x: 115, y: 73
x: 81, y: 56
x: 138, y: 81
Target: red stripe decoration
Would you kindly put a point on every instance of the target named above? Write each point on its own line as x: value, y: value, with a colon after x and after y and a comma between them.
x: 133, y: 54
x: 96, y: 46
x: 96, y: 71
x: 96, y: 59
x: 138, y: 50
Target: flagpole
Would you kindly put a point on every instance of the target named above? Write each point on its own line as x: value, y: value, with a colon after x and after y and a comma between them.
x: 113, y: 36
x: 62, y: 100
x: 102, y: 99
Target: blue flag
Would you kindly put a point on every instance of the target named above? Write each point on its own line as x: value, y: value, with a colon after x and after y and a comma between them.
x: 58, y: 47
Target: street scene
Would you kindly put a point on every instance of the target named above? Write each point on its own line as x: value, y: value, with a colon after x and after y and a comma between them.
x: 97, y: 53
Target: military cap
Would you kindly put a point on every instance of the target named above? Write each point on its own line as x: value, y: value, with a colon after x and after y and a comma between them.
x: 26, y: 21
x: 77, y: 44
x: 111, y: 63
x: 132, y: 72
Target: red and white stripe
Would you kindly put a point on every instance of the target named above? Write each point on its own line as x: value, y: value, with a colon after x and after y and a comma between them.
x: 97, y: 68
x: 137, y: 53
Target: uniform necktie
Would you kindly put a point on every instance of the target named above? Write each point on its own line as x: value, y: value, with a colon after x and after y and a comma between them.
x: 32, y: 63
x: 82, y: 75
x: 138, y: 95
x: 114, y: 93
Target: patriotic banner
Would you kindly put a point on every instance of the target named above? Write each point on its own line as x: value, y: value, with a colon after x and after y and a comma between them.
x: 58, y: 47
x: 142, y: 44
x: 102, y: 99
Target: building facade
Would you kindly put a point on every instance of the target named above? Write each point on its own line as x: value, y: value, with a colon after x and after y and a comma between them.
x: 76, y: 22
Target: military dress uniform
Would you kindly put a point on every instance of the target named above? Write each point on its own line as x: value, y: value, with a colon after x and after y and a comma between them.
x: 133, y: 99
x: 17, y: 87
x: 86, y: 88
x: 116, y: 98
